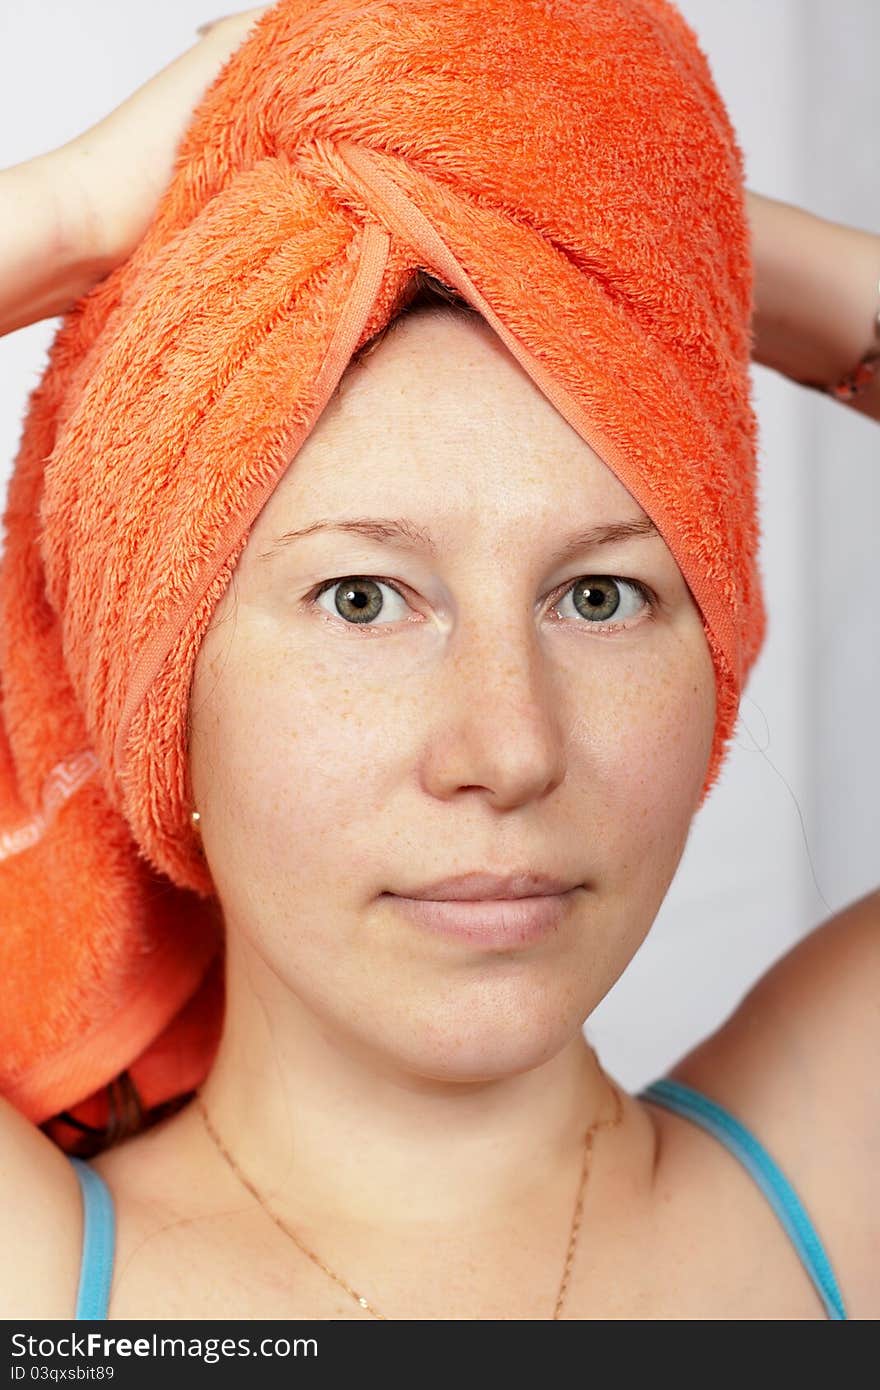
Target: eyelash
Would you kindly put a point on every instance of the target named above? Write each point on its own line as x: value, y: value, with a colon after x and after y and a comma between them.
x: 601, y: 630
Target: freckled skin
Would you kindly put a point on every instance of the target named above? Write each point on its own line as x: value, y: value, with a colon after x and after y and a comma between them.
x: 330, y: 764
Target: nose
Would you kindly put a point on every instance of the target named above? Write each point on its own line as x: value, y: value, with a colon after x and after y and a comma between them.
x: 498, y: 724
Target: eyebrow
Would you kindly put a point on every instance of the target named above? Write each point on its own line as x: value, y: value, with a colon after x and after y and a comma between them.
x: 406, y: 535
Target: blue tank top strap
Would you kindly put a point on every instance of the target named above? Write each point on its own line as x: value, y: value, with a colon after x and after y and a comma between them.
x: 99, y: 1242
x: 693, y: 1105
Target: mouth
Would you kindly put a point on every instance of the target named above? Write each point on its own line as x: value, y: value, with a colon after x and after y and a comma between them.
x: 489, y: 922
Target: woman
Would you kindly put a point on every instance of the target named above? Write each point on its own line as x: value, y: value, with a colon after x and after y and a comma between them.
x: 370, y: 1142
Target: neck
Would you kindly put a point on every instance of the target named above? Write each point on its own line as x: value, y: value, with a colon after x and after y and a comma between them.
x: 322, y: 1124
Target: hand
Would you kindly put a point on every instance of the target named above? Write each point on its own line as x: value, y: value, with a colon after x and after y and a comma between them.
x: 69, y: 216
x: 114, y: 174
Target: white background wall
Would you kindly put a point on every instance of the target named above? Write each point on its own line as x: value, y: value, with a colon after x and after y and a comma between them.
x: 789, y: 833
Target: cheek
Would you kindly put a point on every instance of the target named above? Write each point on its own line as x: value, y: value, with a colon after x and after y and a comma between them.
x: 296, y: 755
x: 644, y: 767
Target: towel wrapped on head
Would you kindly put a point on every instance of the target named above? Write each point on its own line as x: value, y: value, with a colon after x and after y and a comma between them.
x: 568, y: 167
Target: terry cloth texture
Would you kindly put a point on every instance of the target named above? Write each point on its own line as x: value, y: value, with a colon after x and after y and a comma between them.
x: 568, y: 166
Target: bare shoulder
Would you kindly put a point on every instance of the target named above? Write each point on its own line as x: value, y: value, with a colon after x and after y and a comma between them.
x: 40, y: 1219
x: 796, y: 1062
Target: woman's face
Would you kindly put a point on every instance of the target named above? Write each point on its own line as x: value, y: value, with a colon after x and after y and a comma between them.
x: 466, y: 708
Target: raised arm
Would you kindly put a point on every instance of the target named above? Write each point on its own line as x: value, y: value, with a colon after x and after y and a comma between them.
x: 817, y: 297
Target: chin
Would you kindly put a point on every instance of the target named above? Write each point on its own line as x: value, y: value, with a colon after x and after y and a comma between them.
x: 486, y: 1041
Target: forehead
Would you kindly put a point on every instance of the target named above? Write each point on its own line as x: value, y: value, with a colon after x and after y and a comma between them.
x: 440, y: 367
x: 441, y: 413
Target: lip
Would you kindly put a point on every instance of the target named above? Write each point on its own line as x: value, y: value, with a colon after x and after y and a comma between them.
x: 522, y: 883
x: 489, y: 922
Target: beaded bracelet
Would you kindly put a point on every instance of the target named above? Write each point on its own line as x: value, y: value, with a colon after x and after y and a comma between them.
x: 855, y: 381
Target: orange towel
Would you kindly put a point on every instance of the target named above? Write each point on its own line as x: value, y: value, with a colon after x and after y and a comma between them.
x: 569, y: 167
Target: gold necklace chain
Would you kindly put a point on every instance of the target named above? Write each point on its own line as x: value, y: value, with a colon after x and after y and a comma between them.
x: 359, y: 1298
